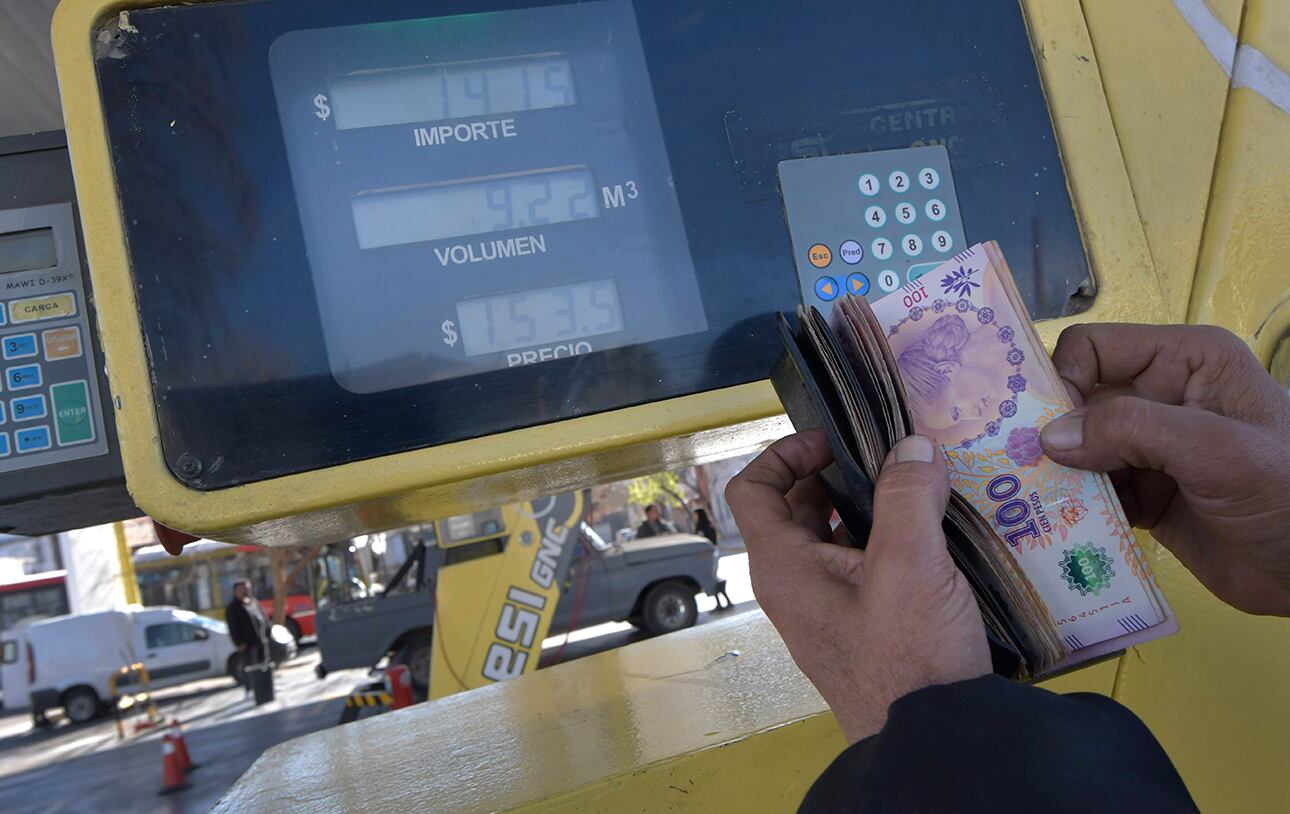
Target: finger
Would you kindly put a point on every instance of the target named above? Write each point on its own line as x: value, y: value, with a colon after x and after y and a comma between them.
x: 811, y: 506
x: 758, y: 496
x: 909, y: 502
x: 1115, y: 353
x: 1129, y: 432
x: 1174, y: 364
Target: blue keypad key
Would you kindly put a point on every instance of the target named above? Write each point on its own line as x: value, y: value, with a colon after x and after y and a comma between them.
x: 33, y: 439
x: 23, y: 378
x: 28, y: 408
x: 18, y: 346
x: 4, y: 444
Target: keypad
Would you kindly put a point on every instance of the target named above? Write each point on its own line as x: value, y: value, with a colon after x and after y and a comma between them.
x: 870, y: 221
x: 45, y: 393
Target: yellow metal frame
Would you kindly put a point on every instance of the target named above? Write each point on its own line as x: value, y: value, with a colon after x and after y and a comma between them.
x: 464, y: 476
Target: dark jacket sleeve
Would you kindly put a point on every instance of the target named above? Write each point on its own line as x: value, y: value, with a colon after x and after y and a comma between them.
x: 240, y: 628
x: 990, y: 745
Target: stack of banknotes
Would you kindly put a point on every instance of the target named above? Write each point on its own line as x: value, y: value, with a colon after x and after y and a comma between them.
x: 1057, y: 571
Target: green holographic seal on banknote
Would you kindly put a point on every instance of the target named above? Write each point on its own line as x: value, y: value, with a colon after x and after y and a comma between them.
x: 1087, y: 569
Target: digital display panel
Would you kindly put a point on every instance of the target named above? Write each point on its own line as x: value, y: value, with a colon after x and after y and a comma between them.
x: 482, y: 192
x: 453, y: 91
x: 27, y: 250
x: 544, y: 316
x: 438, y: 211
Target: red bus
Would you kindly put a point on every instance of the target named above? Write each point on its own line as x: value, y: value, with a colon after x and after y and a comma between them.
x: 33, y: 597
x: 201, y: 580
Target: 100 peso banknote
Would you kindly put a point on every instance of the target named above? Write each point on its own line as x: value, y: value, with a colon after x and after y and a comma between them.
x: 979, y: 381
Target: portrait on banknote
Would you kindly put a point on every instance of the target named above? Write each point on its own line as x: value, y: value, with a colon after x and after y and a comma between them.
x: 961, y: 362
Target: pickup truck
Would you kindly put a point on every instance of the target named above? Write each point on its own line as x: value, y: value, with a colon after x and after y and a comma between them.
x: 651, y: 583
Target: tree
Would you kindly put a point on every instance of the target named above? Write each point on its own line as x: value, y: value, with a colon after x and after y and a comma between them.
x: 665, y: 489
x: 285, y: 563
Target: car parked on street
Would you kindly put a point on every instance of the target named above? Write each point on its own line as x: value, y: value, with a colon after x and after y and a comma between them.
x: 651, y: 583
x: 67, y: 661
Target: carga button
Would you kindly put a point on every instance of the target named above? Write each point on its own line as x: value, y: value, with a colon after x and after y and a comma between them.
x: 36, y: 309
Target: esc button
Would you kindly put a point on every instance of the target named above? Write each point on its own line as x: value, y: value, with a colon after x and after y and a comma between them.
x: 820, y: 255
x: 826, y: 288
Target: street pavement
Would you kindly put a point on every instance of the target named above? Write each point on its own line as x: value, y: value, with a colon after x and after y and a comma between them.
x: 68, y: 768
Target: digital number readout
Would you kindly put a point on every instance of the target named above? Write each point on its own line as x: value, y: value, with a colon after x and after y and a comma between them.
x: 30, y: 249
x: 541, y: 316
x: 428, y: 93
x: 439, y: 211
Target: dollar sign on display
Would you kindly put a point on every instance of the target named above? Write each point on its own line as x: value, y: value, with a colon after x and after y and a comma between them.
x: 324, y: 109
x: 449, y: 333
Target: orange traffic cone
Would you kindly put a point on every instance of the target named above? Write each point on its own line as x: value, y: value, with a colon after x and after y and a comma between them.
x: 172, y: 773
x: 181, y: 748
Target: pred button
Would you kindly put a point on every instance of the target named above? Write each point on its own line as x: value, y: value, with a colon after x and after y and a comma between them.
x: 851, y: 252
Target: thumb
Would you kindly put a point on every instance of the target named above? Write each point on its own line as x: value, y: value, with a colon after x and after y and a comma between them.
x: 909, y: 501
x: 1130, y: 432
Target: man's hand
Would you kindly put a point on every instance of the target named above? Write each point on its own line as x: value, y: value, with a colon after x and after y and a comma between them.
x: 867, y: 627
x: 1196, y: 436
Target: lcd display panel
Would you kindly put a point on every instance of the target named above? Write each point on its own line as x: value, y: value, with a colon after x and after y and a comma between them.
x: 453, y: 91
x: 482, y: 192
x: 290, y: 347
x: 465, y: 208
x: 27, y: 250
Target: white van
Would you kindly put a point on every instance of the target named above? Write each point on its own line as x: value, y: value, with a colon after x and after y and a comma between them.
x: 66, y: 661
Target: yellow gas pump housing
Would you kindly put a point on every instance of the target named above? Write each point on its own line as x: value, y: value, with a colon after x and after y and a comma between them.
x: 335, y: 491
x: 1175, y: 173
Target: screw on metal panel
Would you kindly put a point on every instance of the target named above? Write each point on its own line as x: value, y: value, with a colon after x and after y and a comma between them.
x: 526, y: 537
x: 189, y: 467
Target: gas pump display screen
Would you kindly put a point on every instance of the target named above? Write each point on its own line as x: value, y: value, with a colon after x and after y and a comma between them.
x: 491, y: 190
x: 360, y: 228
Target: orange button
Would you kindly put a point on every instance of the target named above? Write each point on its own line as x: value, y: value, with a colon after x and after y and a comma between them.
x: 820, y: 255
x: 62, y: 343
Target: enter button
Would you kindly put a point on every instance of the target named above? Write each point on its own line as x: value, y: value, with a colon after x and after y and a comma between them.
x: 72, y: 421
